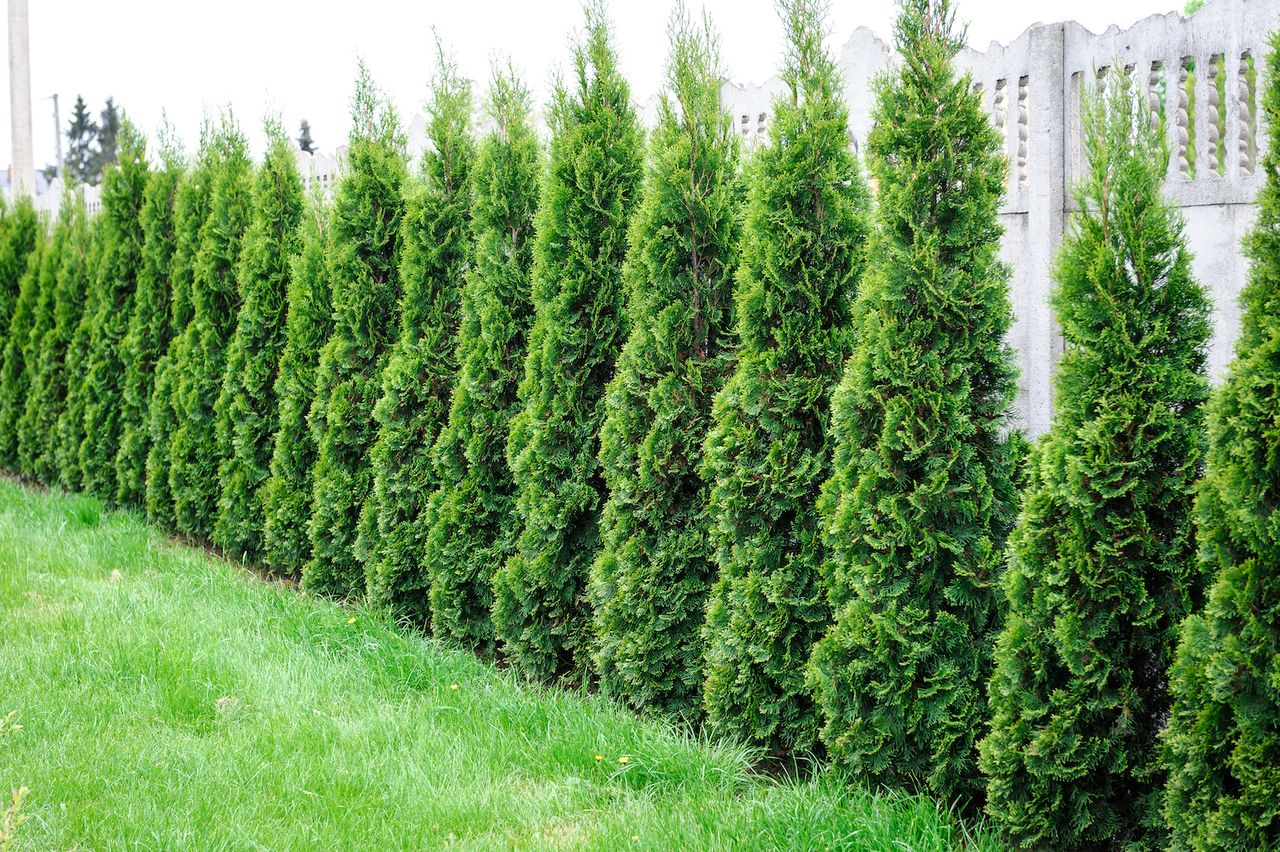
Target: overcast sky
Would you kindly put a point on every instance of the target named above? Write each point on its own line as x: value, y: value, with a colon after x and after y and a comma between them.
x: 298, y: 58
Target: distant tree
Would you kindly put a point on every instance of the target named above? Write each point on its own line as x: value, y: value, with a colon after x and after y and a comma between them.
x: 473, y: 520
x: 1222, y: 744
x: 1101, y: 566
x: 922, y: 494
x: 50, y: 381
x: 15, y: 379
x: 769, y: 446
x: 304, y: 137
x: 81, y: 275
x: 649, y: 584
x: 190, y: 210
x: 364, y: 260
x: 149, y: 329
x: 435, y: 252
x: 82, y: 139
x: 1192, y: 7
x: 108, y: 133
x: 541, y: 611
x: 245, y: 413
x: 286, y: 496
x: 123, y: 189
x: 194, y: 451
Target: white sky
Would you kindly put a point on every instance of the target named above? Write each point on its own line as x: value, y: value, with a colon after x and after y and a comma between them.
x: 298, y: 58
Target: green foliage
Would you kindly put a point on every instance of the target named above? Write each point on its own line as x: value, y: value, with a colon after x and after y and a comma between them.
x: 922, y: 492
x: 33, y: 426
x: 363, y: 259
x: 124, y: 185
x: 194, y: 451
x: 1101, y: 567
x: 80, y: 301
x: 1222, y: 745
x: 149, y: 327
x: 541, y: 612
x: 15, y: 379
x: 418, y: 380
x: 769, y: 447
x: 190, y: 210
x: 649, y: 584
x: 473, y: 522
x: 19, y: 238
x: 245, y: 412
x: 286, y: 495
x: 49, y: 378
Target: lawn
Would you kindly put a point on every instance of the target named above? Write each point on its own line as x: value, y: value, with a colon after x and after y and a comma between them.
x: 158, y: 698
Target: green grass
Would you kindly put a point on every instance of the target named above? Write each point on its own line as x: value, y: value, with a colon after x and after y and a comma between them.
x: 163, y: 699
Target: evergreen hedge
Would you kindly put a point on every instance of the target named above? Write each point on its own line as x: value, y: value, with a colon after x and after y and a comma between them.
x: 541, y: 612
x: 83, y: 298
x: 18, y: 231
x: 473, y: 521
x: 286, y: 495
x: 922, y: 495
x: 194, y: 451
x: 1222, y: 745
x: 245, y: 412
x: 418, y: 380
x: 149, y: 327
x: 364, y: 259
x: 15, y: 379
x: 31, y: 438
x: 769, y: 446
x: 190, y: 210
x: 650, y: 582
x: 1101, y: 563
x: 123, y: 187
x: 49, y: 381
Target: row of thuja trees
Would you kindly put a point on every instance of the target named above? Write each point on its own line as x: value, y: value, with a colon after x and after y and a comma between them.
x: 717, y: 433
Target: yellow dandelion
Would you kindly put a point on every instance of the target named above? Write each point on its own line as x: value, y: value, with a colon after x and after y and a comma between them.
x: 351, y: 620
x: 624, y: 760
x: 454, y: 687
x: 599, y: 757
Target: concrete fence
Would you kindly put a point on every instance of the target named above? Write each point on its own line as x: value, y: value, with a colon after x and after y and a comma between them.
x: 1202, y: 74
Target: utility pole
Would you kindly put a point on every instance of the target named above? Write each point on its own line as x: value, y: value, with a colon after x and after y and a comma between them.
x: 57, y: 130
x: 24, y: 170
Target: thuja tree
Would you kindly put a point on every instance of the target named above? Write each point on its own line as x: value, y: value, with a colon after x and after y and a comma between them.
x: 31, y: 439
x: 1222, y: 742
x: 82, y: 302
x: 194, y: 451
x: 540, y: 609
x: 1101, y: 566
x: 363, y: 257
x: 769, y: 446
x: 418, y: 380
x: 921, y: 496
x: 123, y: 189
x: 245, y: 412
x: 18, y: 230
x: 49, y: 379
x: 650, y: 582
x: 15, y: 379
x: 190, y: 210
x: 20, y: 234
x: 473, y: 520
x: 286, y: 495
x: 149, y: 327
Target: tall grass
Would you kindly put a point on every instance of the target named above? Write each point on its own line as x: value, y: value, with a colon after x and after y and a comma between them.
x: 164, y: 699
